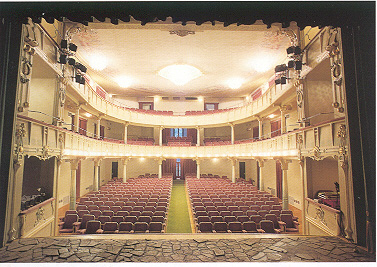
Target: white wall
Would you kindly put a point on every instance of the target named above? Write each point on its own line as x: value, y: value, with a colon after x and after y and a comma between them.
x: 64, y: 184
x: 269, y: 176
x: 105, y: 170
x: 137, y: 166
x: 180, y: 106
x: 138, y: 131
x: 220, y: 167
x: 294, y: 184
x: 222, y: 132
x: 130, y: 102
x: 42, y: 93
x: 87, y: 176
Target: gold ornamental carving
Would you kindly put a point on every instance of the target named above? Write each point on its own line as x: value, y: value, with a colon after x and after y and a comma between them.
x: 40, y: 214
x: 19, y: 150
x: 316, y: 153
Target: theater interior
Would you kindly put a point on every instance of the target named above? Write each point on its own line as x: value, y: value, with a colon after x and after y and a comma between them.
x: 243, y: 131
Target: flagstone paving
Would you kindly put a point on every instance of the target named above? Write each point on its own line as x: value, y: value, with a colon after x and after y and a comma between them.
x: 186, y: 249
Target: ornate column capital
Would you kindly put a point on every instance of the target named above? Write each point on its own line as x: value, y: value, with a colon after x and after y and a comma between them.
x: 74, y: 163
x: 260, y: 162
x: 284, y: 163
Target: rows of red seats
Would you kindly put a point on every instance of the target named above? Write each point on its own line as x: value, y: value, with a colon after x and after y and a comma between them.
x: 219, y: 202
x: 137, y: 203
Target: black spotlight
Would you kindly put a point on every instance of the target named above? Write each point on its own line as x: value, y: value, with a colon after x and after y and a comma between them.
x: 71, y: 61
x: 82, y: 80
x: 280, y: 68
x: 72, y: 47
x: 78, y: 78
x: 291, y: 64
x: 283, y: 80
x: 64, y: 44
x: 294, y: 50
x: 298, y: 65
x: 81, y: 67
x: 277, y: 81
x: 62, y: 59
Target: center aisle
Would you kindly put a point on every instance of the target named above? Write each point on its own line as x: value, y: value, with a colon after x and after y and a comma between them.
x: 178, y: 216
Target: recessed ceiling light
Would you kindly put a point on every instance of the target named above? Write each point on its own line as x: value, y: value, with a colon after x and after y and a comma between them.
x: 180, y: 74
x: 124, y: 81
x: 235, y: 83
x: 98, y: 62
x: 262, y: 62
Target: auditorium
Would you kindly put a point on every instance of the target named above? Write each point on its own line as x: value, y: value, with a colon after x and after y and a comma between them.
x: 187, y: 132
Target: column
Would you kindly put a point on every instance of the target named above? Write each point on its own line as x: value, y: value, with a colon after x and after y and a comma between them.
x: 60, y: 101
x: 77, y: 121
x: 13, y: 227
x: 232, y: 133
x: 160, y: 139
x: 160, y: 168
x: 98, y: 129
x: 125, y: 132
x: 261, y: 181
x: 345, y: 184
x: 282, y: 116
x: 234, y: 161
x: 72, y: 198
x: 260, y: 128
x: 58, y: 163
x: 197, y: 168
x: 96, y: 179
x: 302, y: 163
x: 124, y: 174
x: 197, y: 136
x: 284, y: 167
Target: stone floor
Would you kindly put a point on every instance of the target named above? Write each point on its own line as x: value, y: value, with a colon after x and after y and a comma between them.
x: 183, y: 248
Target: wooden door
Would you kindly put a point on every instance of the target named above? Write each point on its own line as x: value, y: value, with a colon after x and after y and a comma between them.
x: 275, y: 128
x: 102, y: 131
x: 82, y: 126
x: 114, y: 169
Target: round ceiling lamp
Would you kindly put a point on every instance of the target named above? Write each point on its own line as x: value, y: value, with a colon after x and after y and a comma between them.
x: 180, y: 74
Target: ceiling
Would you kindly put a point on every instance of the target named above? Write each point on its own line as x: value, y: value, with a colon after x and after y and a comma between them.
x: 220, y: 53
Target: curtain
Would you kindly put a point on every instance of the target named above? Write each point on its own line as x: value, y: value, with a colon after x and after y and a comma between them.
x: 193, y: 134
x: 168, y: 166
x: 188, y: 167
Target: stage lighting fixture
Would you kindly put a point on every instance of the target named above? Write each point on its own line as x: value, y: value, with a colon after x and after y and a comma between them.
x: 283, y: 80
x: 81, y: 67
x: 63, y: 59
x: 82, y: 80
x: 72, y: 47
x: 291, y: 64
x: 294, y: 50
x: 298, y: 65
x: 280, y: 68
x: 277, y: 81
x: 71, y: 61
x: 78, y: 78
x: 64, y: 44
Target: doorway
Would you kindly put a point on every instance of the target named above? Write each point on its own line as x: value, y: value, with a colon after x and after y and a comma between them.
x: 242, y: 170
x: 114, y: 169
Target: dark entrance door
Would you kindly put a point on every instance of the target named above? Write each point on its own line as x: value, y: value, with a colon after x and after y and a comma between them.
x: 275, y: 128
x: 242, y: 170
x: 114, y: 169
x: 258, y: 176
x: 82, y: 126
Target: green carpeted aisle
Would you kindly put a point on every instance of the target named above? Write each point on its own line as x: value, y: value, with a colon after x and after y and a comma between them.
x: 178, y: 216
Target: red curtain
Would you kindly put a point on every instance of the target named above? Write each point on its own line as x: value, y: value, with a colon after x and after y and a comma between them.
x: 168, y: 166
x: 188, y: 167
x: 193, y: 134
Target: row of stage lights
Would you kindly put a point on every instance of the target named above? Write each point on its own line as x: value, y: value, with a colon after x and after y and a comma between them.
x: 67, y: 56
x: 295, y: 62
